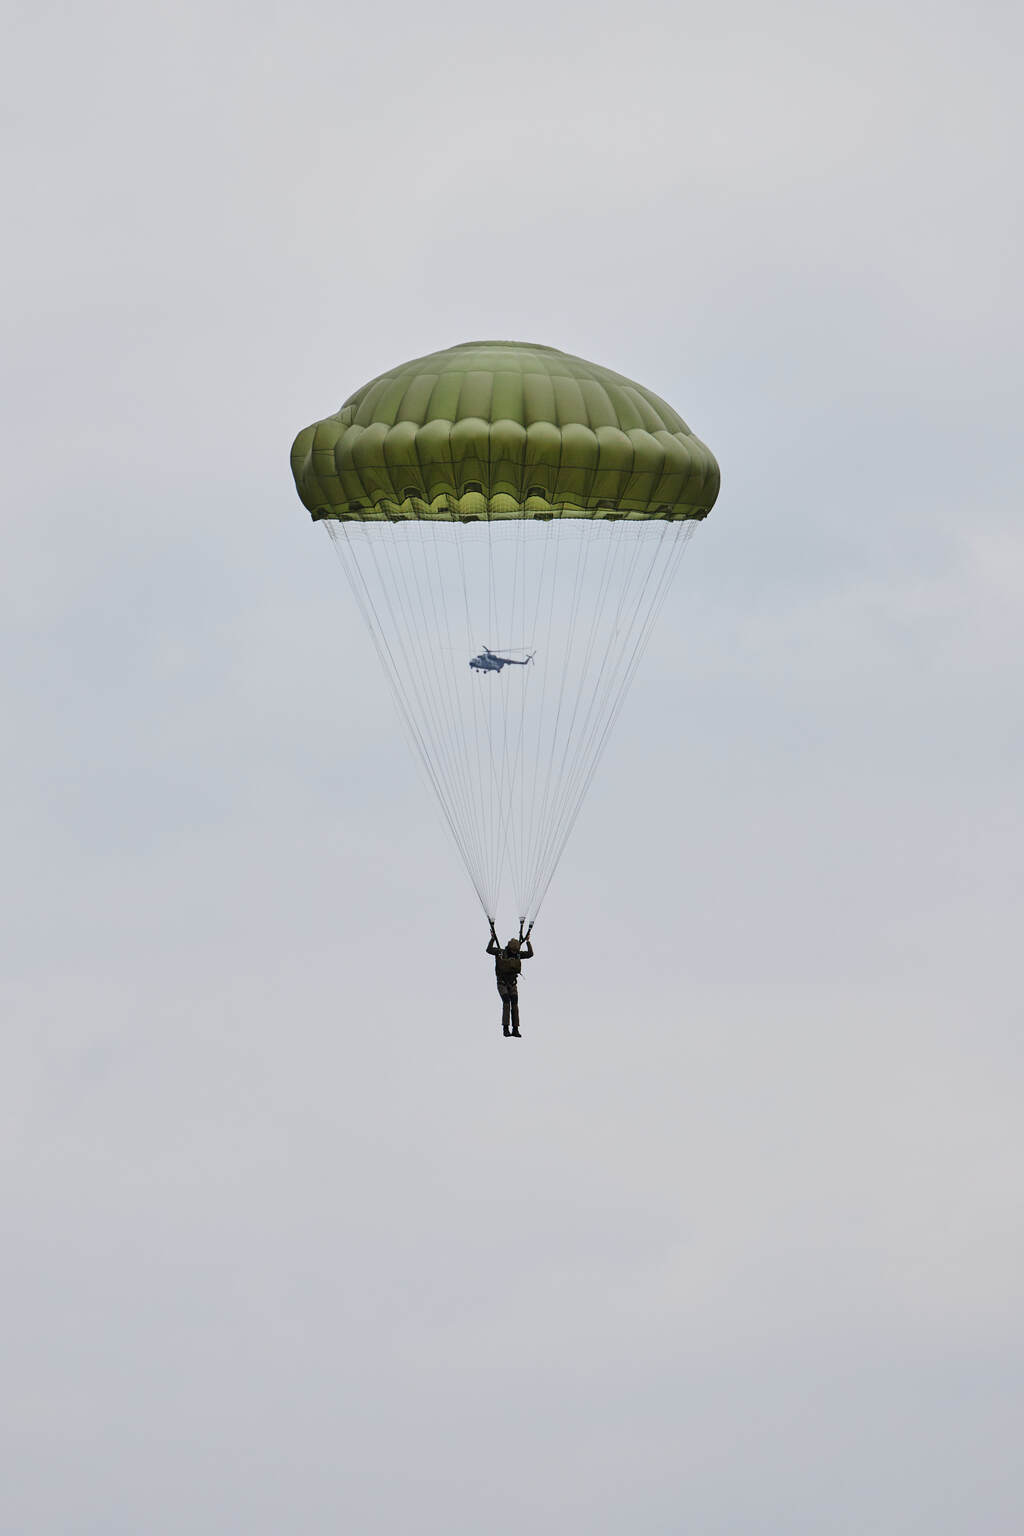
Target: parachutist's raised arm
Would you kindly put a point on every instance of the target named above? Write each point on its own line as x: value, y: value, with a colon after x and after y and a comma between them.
x: 493, y: 947
x: 526, y: 953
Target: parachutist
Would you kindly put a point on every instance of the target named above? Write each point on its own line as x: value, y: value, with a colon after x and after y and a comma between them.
x: 507, y: 968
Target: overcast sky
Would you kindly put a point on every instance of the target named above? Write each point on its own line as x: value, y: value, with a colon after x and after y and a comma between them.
x: 732, y: 1242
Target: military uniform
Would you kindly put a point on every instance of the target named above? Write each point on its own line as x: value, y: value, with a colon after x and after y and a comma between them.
x: 507, y: 968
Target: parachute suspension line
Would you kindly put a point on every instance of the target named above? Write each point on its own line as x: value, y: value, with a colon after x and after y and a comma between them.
x: 527, y: 683
x: 519, y: 776
x: 510, y: 751
x: 455, y: 728
x: 477, y: 723
x: 549, y: 537
x: 589, y: 543
x: 585, y: 675
x: 494, y: 782
x: 529, y: 634
x: 500, y: 820
x: 578, y: 742
x: 583, y: 552
x: 518, y: 689
x: 420, y: 694
x: 558, y: 645
x: 431, y: 712
x: 415, y: 620
x: 498, y: 761
x: 449, y: 714
x: 681, y: 535
x: 515, y: 692
x: 640, y: 645
x: 584, y: 762
x: 458, y: 709
x: 503, y: 738
x: 512, y: 695
x: 365, y: 602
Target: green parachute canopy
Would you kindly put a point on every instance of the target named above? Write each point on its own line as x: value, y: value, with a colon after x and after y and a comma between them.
x: 503, y: 430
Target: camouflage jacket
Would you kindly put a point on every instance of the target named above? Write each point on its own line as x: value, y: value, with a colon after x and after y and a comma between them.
x: 508, y: 965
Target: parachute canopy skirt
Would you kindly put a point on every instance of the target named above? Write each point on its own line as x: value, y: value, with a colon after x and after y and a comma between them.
x: 509, y: 518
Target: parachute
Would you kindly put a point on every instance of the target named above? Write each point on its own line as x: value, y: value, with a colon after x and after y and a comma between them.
x: 509, y: 518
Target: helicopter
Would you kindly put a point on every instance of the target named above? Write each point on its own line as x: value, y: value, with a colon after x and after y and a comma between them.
x: 488, y: 661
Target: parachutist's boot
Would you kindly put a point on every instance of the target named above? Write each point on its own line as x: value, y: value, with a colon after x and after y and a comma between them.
x: 516, y: 1035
